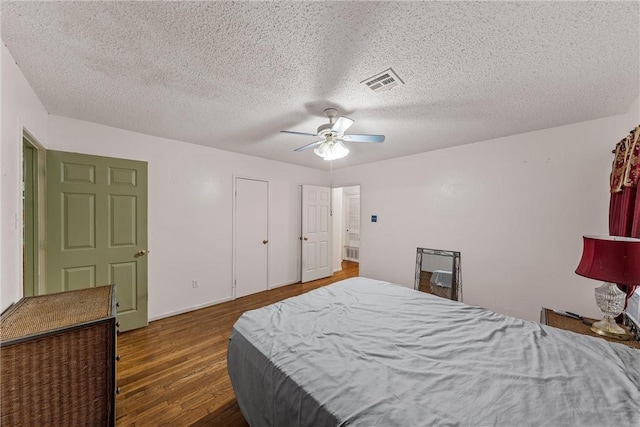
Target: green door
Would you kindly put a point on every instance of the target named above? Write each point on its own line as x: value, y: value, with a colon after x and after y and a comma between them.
x: 97, y: 229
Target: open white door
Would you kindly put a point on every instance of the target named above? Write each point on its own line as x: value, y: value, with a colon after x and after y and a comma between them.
x: 316, y: 233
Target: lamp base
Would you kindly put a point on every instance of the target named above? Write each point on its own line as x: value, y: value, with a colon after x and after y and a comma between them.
x: 609, y: 328
x: 610, y: 301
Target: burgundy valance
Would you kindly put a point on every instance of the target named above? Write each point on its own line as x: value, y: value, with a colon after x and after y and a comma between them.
x: 626, y: 167
x: 624, y: 204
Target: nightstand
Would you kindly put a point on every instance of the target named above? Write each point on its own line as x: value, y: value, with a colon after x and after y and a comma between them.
x: 550, y: 318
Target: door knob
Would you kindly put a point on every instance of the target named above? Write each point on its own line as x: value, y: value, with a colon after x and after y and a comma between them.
x: 264, y: 242
x: 305, y: 238
x: 141, y: 252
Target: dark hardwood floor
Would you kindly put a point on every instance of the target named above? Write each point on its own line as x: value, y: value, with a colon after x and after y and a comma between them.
x: 174, y: 371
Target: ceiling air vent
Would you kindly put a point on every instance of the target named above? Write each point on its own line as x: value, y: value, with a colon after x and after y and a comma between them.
x: 383, y: 81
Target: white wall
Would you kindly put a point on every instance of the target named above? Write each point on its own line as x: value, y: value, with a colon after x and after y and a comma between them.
x: 515, y: 207
x: 190, y: 210
x: 20, y: 108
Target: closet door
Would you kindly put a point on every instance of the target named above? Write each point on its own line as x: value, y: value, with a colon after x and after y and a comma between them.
x: 251, y: 236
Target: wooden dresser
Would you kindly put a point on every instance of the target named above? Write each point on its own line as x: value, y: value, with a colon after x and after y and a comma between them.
x: 57, y: 356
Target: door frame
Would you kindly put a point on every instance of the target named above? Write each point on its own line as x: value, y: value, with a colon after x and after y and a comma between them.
x: 234, y: 242
x: 37, y: 223
x: 345, y: 215
x: 342, y: 218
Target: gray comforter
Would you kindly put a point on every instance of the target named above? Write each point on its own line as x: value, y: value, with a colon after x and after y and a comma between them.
x: 365, y: 352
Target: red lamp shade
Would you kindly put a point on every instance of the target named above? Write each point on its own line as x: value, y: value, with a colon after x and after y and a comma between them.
x: 611, y: 259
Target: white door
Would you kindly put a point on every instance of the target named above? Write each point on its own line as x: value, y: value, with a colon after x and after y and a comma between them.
x: 316, y: 233
x: 251, y: 236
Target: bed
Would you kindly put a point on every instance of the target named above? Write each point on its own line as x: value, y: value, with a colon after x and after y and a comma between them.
x: 364, y: 352
x: 441, y: 278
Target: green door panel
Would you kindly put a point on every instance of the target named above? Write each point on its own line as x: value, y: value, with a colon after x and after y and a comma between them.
x: 96, y: 225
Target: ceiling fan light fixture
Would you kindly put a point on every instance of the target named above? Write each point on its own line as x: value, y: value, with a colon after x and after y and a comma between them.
x: 330, y: 150
x: 332, y: 134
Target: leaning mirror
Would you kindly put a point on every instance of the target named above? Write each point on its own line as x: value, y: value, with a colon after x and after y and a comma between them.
x: 438, y: 273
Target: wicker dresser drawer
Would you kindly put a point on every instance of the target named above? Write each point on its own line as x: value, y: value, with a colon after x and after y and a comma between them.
x: 57, y: 354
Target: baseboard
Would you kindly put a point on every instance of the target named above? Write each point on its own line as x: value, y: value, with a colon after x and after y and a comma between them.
x: 209, y: 304
x: 187, y: 310
x: 283, y: 284
x: 337, y: 269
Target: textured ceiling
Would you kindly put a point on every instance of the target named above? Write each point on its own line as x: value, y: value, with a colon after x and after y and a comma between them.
x: 231, y: 75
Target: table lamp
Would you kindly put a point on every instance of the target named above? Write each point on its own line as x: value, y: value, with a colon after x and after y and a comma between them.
x: 615, y: 260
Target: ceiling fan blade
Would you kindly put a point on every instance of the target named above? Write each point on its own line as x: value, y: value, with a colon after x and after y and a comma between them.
x: 298, y: 133
x: 306, y: 147
x: 364, y: 138
x: 341, y: 125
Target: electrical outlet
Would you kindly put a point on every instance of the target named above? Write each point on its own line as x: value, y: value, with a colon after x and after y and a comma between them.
x: 194, y: 284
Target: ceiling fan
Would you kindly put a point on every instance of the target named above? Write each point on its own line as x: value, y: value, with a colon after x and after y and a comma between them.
x: 331, y: 145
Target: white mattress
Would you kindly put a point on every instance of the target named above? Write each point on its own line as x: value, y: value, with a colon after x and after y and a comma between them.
x: 363, y: 352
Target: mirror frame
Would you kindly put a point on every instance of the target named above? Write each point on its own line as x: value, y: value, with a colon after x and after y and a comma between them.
x: 456, y: 285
